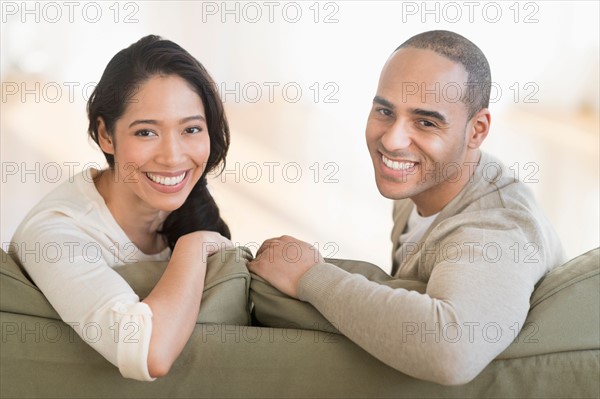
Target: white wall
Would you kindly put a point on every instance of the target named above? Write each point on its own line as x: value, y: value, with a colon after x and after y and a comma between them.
x: 553, y: 58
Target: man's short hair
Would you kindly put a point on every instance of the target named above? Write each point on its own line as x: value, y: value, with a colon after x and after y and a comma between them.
x: 461, y: 50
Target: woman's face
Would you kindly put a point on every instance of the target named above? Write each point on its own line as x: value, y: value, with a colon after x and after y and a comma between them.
x: 160, y: 144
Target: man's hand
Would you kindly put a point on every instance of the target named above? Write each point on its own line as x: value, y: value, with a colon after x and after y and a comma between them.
x: 283, y: 261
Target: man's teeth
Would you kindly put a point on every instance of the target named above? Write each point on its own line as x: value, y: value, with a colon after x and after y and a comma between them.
x: 396, y: 165
x: 166, y: 181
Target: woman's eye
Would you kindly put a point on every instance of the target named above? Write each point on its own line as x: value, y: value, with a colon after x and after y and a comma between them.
x: 193, y: 130
x: 144, y: 133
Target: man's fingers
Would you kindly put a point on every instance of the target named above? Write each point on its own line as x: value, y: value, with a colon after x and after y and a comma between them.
x: 267, y: 245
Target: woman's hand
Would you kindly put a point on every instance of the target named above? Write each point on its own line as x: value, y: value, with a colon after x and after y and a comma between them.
x: 208, y: 241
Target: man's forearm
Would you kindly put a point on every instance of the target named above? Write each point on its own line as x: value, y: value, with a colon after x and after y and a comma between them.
x: 432, y: 338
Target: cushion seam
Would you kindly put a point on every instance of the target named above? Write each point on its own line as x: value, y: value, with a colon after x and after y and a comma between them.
x: 16, y: 278
x: 548, y: 353
x: 564, y: 285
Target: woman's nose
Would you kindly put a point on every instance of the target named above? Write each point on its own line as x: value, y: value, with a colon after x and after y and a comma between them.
x: 172, y: 150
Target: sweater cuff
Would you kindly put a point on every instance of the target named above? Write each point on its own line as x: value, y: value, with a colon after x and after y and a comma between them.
x: 317, y: 283
x: 133, y: 348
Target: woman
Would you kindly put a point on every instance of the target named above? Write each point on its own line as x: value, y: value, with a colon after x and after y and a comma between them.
x: 161, y: 126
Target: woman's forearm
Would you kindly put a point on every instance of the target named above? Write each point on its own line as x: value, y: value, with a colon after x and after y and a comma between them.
x: 175, y: 302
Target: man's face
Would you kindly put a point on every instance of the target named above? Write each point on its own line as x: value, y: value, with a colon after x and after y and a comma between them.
x: 417, y: 132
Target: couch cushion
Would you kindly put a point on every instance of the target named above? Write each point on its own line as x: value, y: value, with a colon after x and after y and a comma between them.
x: 578, y: 269
x: 42, y: 358
x: 18, y: 294
x: 565, y: 310
x: 225, y: 297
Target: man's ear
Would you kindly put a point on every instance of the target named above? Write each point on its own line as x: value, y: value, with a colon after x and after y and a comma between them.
x: 104, y: 138
x: 479, y: 127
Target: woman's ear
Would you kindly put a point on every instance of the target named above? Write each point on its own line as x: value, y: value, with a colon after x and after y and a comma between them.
x: 480, y: 127
x: 105, y: 140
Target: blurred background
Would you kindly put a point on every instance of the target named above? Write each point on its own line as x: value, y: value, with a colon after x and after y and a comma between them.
x: 297, y: 79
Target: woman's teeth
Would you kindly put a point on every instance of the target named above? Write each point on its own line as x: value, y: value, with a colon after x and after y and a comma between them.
x: 396, y: 165
x: 166, y: 181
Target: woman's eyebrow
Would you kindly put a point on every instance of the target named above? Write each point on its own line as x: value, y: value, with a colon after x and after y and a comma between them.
x: 193, y: 118
x: 143, y: 122
x: 155, y: 122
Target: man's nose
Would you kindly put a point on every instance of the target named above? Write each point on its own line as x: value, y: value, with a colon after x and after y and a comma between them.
x: 397, y: 136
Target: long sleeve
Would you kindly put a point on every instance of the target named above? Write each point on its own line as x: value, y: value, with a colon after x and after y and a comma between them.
x: 71, y: 270
x: 443, y: 335
x: 473, y: 308
x: 69, y: 244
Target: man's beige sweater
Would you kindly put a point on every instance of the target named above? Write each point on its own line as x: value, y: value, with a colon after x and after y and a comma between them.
x: 480, y: 258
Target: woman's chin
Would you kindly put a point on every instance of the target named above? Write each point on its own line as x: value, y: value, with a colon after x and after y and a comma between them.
x: 168, y: 206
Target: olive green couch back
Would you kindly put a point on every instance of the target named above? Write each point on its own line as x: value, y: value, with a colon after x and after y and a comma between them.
x: 40, y: 356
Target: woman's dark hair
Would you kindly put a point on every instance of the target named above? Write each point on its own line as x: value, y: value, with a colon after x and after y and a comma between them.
x: 124, y: 74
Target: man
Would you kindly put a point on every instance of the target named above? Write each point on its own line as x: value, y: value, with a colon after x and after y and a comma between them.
x: 462, y: 224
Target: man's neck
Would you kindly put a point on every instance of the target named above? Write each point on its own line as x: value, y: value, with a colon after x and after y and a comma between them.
x: 435, y: 199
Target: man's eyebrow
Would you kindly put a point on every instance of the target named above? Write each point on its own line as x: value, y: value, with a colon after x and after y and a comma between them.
x: 429, y: 114
x: 155, y: 122
x: 384, y: 102
x: 414, y: 111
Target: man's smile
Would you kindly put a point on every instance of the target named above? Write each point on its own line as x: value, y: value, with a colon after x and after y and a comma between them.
x: 397, y: 165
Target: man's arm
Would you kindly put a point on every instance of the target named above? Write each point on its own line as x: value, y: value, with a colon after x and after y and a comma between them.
x: 472, y: 310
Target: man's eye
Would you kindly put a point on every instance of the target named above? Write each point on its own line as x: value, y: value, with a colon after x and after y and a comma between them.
x: 384, y: 111
x: 426, y: 123
x: 193, y: 130
x: 145, y: 133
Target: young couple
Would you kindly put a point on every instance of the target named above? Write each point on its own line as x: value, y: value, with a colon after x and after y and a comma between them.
x: 160, y: 123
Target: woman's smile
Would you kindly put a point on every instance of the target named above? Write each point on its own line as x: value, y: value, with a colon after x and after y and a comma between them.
x: 168, y: 182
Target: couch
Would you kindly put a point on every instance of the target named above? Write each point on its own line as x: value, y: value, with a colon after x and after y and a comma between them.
x: 556, y: 355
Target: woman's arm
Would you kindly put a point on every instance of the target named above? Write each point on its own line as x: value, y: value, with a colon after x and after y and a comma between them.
x: 175, y: 300
x: 101, y: 306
